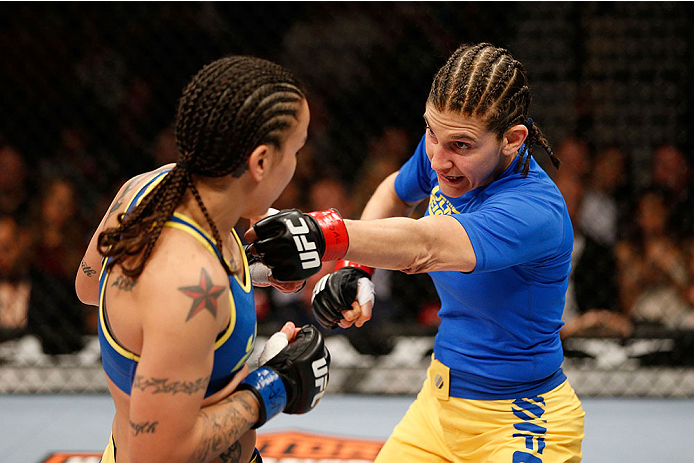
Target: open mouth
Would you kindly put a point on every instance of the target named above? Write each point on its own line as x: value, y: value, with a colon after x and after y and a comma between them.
x: 452, y: 179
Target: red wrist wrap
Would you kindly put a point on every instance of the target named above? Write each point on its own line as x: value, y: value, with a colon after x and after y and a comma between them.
x: 334, y: 232
x: 347, y: 263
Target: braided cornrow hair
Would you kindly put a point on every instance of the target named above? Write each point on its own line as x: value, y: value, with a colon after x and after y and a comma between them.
x: 485, y: 81
x: 230, y: 107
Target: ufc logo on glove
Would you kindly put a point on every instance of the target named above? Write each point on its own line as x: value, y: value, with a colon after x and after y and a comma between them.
x: 308, y: 252
x: 320, y: 371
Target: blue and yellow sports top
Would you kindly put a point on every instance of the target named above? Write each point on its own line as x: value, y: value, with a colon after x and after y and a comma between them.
x: 233, y: 346
x: 499, y: 331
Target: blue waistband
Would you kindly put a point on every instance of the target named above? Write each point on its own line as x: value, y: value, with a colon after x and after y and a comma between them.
x: 470, y: 386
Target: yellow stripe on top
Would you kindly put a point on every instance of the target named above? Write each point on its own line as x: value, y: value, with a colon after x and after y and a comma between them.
x: 184, y: 223
x: 105, y: 272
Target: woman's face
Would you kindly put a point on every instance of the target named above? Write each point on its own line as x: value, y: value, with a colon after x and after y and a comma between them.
x: 462, y: 152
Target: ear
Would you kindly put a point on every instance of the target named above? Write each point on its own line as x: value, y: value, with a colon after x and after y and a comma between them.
x: 258, y: 162
x: 513, y: 139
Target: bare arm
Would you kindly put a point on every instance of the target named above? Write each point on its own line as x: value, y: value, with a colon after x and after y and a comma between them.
x: 166, y: 416
x: 428, y: 244
x: 385, y: 202
x: 87, y: 279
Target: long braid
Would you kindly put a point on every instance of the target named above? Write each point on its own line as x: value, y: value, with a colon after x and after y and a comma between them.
x: 487, y: 82
x: 138, y: 230
x: 210, y: 222
x: 230, y: 107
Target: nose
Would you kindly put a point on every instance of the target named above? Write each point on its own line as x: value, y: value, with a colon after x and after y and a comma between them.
x: 438, y: 159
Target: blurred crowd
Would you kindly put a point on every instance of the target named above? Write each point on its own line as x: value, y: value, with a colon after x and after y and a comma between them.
x: 98, y: 106
x: 633, y: 259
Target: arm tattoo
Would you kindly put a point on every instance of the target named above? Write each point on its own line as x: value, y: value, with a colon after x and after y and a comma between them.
x: 164, y: 386
x: 124, y: 283
x: 225, y: 426
x: 128, y: 186
x: 145, y: 427
x: 88, y: 270
x: 204, y: 294
x: 232, y: 454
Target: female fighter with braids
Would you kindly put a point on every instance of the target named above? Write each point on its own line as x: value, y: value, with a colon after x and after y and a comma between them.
x: 176, y: 310
x: 496, y: 240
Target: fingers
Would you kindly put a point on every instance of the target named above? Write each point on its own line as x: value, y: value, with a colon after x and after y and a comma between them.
x: 358, y: 315
x: 289, y: 330
x: 250, y: 236
x: 288, y: 287
x: 269, y: 212
x: 365, y: 315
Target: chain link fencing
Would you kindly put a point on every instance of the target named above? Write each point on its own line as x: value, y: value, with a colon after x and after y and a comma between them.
x: 88, y: 97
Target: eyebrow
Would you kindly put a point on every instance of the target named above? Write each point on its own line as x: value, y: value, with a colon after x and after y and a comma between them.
x: 456, y: 136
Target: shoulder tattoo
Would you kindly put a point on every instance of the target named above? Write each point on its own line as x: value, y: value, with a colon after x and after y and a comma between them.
x: 124, y: 283
x: 205, y: 295
x: 128, y: 187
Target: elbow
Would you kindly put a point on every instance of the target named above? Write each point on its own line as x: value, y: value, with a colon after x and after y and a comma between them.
x: 420, y: 264
x: 423, y: 258
x: 85, y: 292
x: 435, y: 250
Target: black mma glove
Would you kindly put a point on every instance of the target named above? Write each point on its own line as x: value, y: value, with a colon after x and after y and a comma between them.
x: 337, y: 291
x: 293, y: 244
x: 294, y: 380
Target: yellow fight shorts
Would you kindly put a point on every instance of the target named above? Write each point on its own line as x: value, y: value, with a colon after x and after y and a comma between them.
x: 547, y: 428
x: 109, y: 455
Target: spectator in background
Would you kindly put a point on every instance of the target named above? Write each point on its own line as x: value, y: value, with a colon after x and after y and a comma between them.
x: 592, y: 299
x: 15, y: 285
x: 164, y: 150
x: 136, y: 125
x: 689, y: 256
x: 14, y: 189
x: 56, y: 316
x: 672, y: 173
x: 575, y: 158
x: 652, y: 272
x: 87, y: 167
x: 603, y: 198
x: 330, y: 192
x: 386, y: 153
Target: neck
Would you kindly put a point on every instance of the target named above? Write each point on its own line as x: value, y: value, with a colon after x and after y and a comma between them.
x: 223, y: 198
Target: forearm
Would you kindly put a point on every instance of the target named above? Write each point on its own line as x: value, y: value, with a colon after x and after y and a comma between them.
x: 385, y: 202
x: 220, y: 427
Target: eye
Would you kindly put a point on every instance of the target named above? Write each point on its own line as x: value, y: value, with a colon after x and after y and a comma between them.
x: 461, y: 145
x: 430, y: 132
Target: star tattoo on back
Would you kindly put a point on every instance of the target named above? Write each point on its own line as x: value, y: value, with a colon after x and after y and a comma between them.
x: 204, y: 295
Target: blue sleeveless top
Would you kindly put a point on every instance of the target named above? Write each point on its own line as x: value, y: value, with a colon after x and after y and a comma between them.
x: 233, y: 346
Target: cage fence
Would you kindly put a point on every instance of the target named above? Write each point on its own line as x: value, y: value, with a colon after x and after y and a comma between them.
x: 88, y: 98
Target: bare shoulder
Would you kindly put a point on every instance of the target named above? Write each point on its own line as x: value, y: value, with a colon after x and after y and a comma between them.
x: 128, y: 190
x: 184, y: 280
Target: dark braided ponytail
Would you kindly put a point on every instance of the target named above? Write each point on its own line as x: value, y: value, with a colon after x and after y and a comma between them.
x: 230, y: 107
x: 485, y: 81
